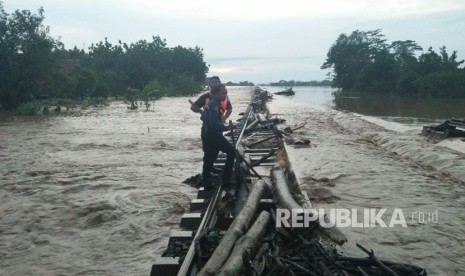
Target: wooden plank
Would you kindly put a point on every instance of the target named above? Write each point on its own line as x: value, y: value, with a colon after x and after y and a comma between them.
x: 165, y: 266
x: 181, y: 236
x: 199, y: 204
x: 264, y: 150
x: 191, y: 221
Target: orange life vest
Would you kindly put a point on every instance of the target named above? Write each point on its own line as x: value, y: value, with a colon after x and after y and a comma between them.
x: 223, y: 104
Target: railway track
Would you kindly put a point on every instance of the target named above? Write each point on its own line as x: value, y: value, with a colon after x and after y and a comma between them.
x: 229, y: 230
x: 204, y: 210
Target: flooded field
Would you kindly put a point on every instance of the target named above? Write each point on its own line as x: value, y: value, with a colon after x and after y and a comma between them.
x: 97, y: 192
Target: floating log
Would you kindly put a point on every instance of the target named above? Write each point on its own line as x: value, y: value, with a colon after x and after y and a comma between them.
x: 247, y: 245
x: 239, y: 226
x: 285, y: 200
x: 281, y: 192
x: 450, y: 128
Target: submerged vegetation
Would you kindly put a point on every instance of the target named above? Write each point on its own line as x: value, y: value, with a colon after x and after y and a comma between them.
x: 364, y: 61
x: 36, y: 68
x: 54, y: 105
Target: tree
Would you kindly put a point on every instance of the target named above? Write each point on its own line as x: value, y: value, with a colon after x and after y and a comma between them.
x: 380, y: 75
x: 28, y: 59
x: 188, y: 61
x: 34, y: 66
x: 363, y: 61
x: 144, y: 60
x: 349, y: 54
x: 404, y: 52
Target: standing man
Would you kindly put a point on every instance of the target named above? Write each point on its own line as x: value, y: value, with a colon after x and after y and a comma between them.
x: 202, y: 101
x: 213, y: 140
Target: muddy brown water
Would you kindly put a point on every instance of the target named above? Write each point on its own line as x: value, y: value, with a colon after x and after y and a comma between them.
x: 97, y: 192
x: 365, y: 166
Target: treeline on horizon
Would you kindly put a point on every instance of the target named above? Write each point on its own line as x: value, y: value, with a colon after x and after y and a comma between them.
x: 301, y: 83
x: 282, y: 83
x: 364, y: 62
x: 36, y: 67
x: 241, y: 83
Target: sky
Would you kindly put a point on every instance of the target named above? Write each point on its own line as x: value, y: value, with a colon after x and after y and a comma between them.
x: 258, y: 41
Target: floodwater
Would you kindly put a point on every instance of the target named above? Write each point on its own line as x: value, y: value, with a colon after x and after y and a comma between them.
x: 97, y: 192
x: 400, y: 106
x: 400, y: 114
x: 363, y: 165
x: 405, y: 110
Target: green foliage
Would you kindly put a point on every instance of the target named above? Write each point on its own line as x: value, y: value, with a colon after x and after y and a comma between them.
x: 179, y: 85
x: 30, y: 108
x: 184, y: 84
x: 98, y: 101
x: 85, y: 104
x: 34, y: 66
x: 450, y: 83
x: 43, y: 106
x: 350, y: 54
x: 363, y: 61
x: 27, y: 57
x: 132, y: 98
x: 151, y: 92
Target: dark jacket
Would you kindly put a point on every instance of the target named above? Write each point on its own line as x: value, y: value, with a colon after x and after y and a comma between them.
x: 211, y: 117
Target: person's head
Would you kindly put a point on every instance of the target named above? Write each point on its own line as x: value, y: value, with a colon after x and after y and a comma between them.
x: 220, y: 92
x: 214, y: 82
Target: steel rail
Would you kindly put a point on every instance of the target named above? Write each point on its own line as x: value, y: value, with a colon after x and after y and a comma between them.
x: 209, y: 219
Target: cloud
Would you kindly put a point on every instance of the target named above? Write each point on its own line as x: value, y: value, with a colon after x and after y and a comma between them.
x: 272, y: 9
x: 223, y: 70
x: 247, y: 10
x: 262, y: 69
x: 253, y: 40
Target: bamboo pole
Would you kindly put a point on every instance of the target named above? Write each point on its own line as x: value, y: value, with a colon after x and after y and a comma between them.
x: 284, y: 199
x: 252, y: 125
x: 247, y: 245
x: 239, y: 226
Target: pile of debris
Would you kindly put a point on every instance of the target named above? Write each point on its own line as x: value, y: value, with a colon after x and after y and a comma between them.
x: 450, y: 128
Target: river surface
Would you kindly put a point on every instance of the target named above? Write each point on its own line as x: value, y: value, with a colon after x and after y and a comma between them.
x: 97, y: 192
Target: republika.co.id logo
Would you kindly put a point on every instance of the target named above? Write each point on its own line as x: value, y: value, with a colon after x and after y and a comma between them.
x: 341, y: 217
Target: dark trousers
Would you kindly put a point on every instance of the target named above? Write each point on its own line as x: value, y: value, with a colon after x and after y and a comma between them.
x: 212, y: 144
